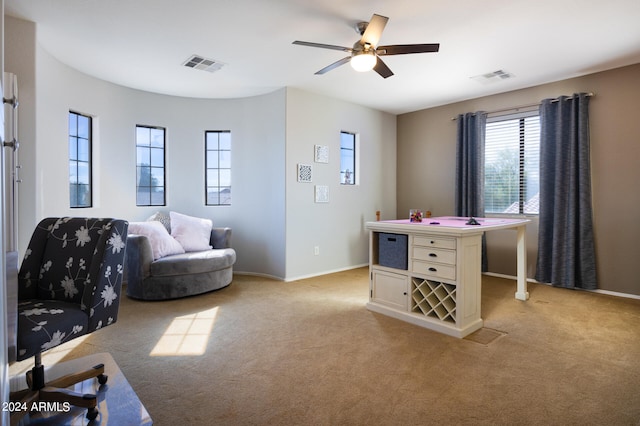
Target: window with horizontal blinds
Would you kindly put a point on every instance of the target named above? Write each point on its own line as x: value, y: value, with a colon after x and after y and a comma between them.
x: 512, y: 164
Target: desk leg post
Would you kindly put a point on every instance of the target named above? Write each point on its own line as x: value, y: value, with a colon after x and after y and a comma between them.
x: 522, y: 293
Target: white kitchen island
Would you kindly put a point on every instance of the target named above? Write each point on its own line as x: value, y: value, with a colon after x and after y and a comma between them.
x: 429, y: 273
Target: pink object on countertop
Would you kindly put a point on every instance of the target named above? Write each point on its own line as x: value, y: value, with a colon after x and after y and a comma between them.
x: 455, y: 222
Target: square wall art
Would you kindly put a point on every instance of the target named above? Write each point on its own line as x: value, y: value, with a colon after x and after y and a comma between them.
x: 322, y: 194
x: 305, y: 173
x: 321, y: 154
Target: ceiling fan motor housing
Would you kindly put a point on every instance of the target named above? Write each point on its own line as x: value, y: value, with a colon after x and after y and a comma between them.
x: 359, y: 46
x: 361, y: 27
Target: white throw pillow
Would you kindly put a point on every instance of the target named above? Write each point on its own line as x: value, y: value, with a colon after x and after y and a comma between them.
x: 193, y: 233
x: 162, y: 244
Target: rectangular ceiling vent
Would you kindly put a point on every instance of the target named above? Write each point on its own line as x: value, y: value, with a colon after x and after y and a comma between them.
x: 493, y: 77
x: 199, y: 63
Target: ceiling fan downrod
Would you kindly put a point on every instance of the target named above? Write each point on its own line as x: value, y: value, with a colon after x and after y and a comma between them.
x: 361, y: 27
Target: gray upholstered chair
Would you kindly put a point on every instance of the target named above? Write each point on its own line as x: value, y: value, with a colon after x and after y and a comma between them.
x: 69, y: 285
x: 179, y: 275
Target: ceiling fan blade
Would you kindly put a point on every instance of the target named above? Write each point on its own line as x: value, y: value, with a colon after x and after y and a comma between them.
x: 323, y: 46
x: 374, y: 30
x: 334, y: 65
x: 403, y: 49
x: 382, y: 69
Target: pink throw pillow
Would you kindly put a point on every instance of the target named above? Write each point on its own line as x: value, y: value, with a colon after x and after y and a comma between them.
x: 162, y: 244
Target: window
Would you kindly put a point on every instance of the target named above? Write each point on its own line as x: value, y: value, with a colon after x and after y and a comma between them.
x: 150, y: 170
x: 79, y: 160
x: 347, y: 158
x: 218, y: 168
x: 512, y: 164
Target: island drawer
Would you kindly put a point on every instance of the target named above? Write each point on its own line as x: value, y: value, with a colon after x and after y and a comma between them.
x: 434, y: 255
x: 436, y: 270
x: 434, y: 241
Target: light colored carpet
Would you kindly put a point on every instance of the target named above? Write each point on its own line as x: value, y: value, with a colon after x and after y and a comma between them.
x: 309, y: 353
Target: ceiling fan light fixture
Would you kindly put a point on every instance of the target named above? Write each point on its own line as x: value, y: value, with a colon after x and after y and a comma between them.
x: 364, y: 53
x: 363, y: 61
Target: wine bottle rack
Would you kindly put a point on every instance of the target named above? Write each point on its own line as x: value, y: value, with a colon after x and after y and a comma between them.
x: 434, y: 299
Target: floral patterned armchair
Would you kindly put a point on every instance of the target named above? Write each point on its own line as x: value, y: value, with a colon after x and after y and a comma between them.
x: 69, y: 285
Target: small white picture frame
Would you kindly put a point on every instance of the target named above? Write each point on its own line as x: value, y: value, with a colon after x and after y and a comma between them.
x: 322, y: 193
x: 305, y: 173
x: 321, y: 153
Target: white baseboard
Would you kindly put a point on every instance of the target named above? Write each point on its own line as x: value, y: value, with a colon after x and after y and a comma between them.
x: 615, y: 293
x: 491, y: 274
x: 531, y: 280
x: 301, y: 277
x: 347, y: 268
x: 256, y: 274
x: 508, y: 277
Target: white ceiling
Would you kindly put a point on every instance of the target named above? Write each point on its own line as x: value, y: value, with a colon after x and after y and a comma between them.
x: 143, y: 43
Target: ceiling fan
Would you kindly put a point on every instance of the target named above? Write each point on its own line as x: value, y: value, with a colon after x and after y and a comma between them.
x: 365, y: 53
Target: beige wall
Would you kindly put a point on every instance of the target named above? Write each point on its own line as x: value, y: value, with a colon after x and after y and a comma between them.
x: 426, y: 169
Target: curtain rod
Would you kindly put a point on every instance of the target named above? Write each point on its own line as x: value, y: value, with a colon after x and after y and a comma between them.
x: 517, y: 108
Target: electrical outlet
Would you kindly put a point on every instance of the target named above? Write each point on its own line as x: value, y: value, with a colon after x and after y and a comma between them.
x: 316, y: 250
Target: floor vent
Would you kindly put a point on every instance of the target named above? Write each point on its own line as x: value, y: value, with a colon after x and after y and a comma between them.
x: 199, y: 63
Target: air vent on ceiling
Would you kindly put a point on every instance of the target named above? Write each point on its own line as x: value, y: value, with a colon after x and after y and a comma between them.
x: 204, y: 64
x: 493, y: 77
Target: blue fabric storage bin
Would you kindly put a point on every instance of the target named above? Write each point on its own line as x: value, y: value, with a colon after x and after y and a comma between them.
x: 392, y: 250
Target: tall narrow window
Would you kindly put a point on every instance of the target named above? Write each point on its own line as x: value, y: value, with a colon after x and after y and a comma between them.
x: 347, y: 158
x: 79, y: 160
x: 150, y: 173
x: 218, y: 168
x: 512, y: 164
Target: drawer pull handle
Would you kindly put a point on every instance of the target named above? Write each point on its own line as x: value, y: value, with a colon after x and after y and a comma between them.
x: 433, y: 255
x: 432, y: 242
x: 391, y: 239
x: 433, y: 269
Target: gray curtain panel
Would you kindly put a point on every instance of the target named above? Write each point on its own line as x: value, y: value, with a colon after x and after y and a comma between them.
x: 566, y: 250
x: 470, y: 169
x: 470, y: 164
